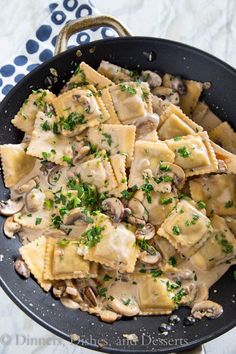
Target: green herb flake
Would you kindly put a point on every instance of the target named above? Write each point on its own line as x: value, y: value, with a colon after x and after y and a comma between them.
x: 68, y: 160
x: 126, y: 302
x: 147, y: 188
x: 156, y: 273
x: 183, y: 152
x: 102, y: 292
x: 164, y: 167
x: 226, y: 246
x: 176, y: 230
x: 172, y: 261
x: 179, y: 295
x: 201, y: 204
x: 38, y: 221
x: 177, y: 138
x: 126, y: 88
x: 62, y: 243
x: 107, y: 277
x: 45, y: 126
x: 128, y: 194
x: 72, y: 121
x: 92, y: 236
x: 107, y: 138
x: 166, y: 201
x: 229, y: 204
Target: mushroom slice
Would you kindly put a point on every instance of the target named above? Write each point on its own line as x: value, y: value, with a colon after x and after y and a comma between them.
x: 152, y: 78
x: 81, y: 154
x: 174, y: 171
x: 207, y: 309
x: 113, y: 208
x: 68, y: 302
x: 59, y: 288
x: 55, y: 233
x: 73, y: 216
x: 21, y: 268
x: 125, y: 307
x: 11, y: 207
x: 147, y: 232
x: 137, y: 209
x: 150, y: 256
x: 109, y: 316
x: 34, y: 200
x: 11, y: 227
x: 167, y: 94
x: 90, y: 296
x: 53, y: 175
x: 71, y: 288
x: 179, y: 85
x: 132, y: 219
x: 24, y: 188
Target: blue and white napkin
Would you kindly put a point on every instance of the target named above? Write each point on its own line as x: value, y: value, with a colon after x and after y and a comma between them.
x: 40, y: 45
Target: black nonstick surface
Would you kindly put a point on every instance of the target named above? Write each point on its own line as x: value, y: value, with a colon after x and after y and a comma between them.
x: 134, y: 53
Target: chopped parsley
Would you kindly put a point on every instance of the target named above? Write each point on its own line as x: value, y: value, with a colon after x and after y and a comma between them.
x: 172, y: 261
x: 107, y: 138
x: 102, y: 292
x: 177, y: 138
x: 39, y: 102
x: 62, y: 243
x: 128, y: 194
x: 156, y: 273
x: 126, y: 88
x: 229, y: 204
x: 183, y: 152
x: 46, y: 155
x: 179, y: 295
x: 72, y: 121
x: 201, y: 204
x: 176, y: 230
x: 171, y: 286
x: 145, y: 95
x: 81, y: 73
x: 162, y: 179
x: 147, y: 188
x: 92, y: 236
x: 226, y: 246
x: 38, y: 221
x: 45, y: 126
x: 106, y: 277
x: 56, y: 221
x: 165, y: 201
x: 68, y: 160
x: 126, y: 302
x: 48, y: 204
x: 164, y: 167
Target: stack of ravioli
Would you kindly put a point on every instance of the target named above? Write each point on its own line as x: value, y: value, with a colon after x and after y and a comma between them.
x: 95, y: 141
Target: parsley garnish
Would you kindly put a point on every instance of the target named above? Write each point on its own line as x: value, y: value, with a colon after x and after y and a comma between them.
x: 72, y: 121
x: 177, y: 138
x: 165, y: 201
x: 106, y: 277
x: 126, y: 302
x: 176, y: 230
x: 45, y: 126
x: 171, y: 286
x: 183, y: 152
x: 226, y: 246
x: 229, y: 204
x: 128, y: 194
x: 172, y: 261
x: 147, y: 188
x: 201, y: 204
x: 126, y: 88
x: 179, y: 295
x: 108, y: 138
x: 164, y: 168
x: 92, y: 236
x: 162, y: 179
x: 156, y: 273
x: 102, y: 292
x: 38, y: 221
x: 68, y: 160
x: 62, y: 243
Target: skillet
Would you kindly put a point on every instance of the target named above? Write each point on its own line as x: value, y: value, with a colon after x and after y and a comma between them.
x: 134, y: 53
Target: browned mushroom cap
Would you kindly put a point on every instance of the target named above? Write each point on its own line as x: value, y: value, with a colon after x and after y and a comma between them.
x: 74, y: 215
x: 69, y: 303
x: 179, y: 85
x: 11, y: 227
x: 152, y: 78
x: 59, y: 288
x: 125, y: 307
x: 137, y: 209
x: 113, y: 208
x: 11, y: 207
x: 53, y: 175
x: 150, y: 258
x: 167, y: 94
x: 34, y: 200
x: 109, y: 316
x: 71, y: 288
x: 207, y: 309
x: 90, y: 296
x: 174, y: 171
x: 147, y: 232
x: 21, y: 268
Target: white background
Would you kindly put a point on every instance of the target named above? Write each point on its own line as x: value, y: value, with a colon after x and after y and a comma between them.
x: 206, y: 24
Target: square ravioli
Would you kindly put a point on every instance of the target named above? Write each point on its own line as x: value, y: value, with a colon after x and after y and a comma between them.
x: 115, y: 246
x: 218, y: 192
x: 194, y: 154
x: 147, y: 156
x: 175, y: 123
x: 186, y: 228
x: 114, y: 138
x: 219, y: 248
x: 62, y: 261
x: 131, y: 100
x: 79, y: 109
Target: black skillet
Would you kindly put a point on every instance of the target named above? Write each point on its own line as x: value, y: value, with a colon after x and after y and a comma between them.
x: 134, y: 53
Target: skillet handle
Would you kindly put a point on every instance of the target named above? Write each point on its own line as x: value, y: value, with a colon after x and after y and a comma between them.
x: 80, y: 24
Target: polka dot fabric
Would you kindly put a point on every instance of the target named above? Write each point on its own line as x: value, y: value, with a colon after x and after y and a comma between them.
x: 40, y: 45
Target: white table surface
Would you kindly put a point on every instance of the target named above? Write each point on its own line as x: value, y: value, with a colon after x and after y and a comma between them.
x: 206, y: 24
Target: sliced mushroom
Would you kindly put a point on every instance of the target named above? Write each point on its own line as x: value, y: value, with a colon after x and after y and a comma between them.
x: 11, y: 207
x: 152, y: 78
x: 113, y: 208
x: 73, y: 216
x: 55, y: 233
x: 167, y: 94
x: 21, y: 268
x: 46, y: 165
x: 174, y: 171
x: 147, y: 124
x: 125, y: 308
x: 34, y: 200
x: 109, y: 316
x: 53, y: 175
x: 24, y: 188
x: 132, y: 219
x: 59, y: 288
x: 147, y: 232
x: 81, y: 154
x: 71, y: 288
x: 90, y: 296
x: 68, y: 302
x: 183, y: 274
x: 151, y: 256
x: 179, y: 85
x: 207, y: 309
x: 88, y: 104
x: 11, y: 227
x: 137, y: 209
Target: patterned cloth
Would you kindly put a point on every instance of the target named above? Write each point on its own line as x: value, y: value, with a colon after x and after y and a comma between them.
x: 40, y: 46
